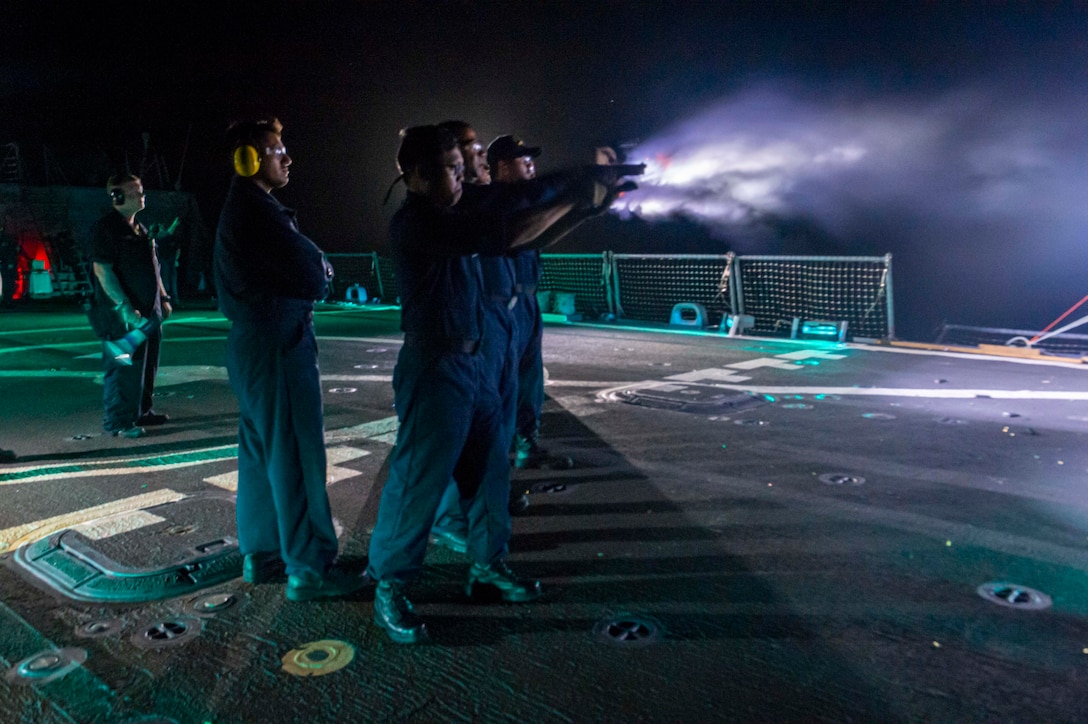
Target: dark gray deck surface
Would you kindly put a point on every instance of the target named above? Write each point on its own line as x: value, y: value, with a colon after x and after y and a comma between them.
x: 816, y: 557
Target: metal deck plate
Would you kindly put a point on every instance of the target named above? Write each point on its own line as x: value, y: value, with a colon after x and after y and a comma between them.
x: 160, y: 552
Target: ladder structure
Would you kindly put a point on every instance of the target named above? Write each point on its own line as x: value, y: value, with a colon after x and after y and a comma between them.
x: 11, y: 166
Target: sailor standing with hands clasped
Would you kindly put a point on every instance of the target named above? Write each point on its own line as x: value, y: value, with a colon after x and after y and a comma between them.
x: 268, y: 276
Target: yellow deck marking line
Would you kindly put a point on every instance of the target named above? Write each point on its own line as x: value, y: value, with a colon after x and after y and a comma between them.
x: 24, y: 533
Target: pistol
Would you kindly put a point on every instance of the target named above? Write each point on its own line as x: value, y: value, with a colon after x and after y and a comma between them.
x: 608, y: 173
x: 628, y: 169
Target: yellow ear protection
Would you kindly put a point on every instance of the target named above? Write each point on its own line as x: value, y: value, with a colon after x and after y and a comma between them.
x: 246, y: 161
x: 117, y: 196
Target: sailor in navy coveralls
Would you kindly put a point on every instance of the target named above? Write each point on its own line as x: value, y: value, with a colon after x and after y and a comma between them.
x: 268, y: 276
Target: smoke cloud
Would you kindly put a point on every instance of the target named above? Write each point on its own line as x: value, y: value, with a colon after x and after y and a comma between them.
x: 978, y: 188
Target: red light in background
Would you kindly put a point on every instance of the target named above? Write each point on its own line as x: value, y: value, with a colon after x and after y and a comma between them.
x: 31, y: 248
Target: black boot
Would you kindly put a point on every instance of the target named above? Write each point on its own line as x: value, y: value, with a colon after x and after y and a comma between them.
x: 262, y: 567
x: 501, y: 578
x: 394, y: 613
x: 333, y: 582
x: 531, y: 456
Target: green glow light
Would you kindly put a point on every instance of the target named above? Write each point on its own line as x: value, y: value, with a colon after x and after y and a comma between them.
x: 42, y: 471
x: 186, y: 457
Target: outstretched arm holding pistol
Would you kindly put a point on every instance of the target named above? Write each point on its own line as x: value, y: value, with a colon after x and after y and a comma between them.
x: 607, y: 183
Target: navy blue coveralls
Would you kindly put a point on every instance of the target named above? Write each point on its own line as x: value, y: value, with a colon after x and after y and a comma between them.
x: 499, y: 349
x: 526, y: 269
x: 529, y: 347
x: 527, y: 319
x: 268, y: 276
x: 127, y: 389
x: 453, y: 421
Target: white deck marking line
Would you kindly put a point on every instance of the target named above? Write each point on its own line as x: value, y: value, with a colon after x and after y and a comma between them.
x: 116, y: 461
x: 589, y: 384
x: 229, y: 481
x: 174, y: 322
x: 373, y: 430
x: 1075, y: 396
x: 172, y: 340
x: 28, y: 532
x: 357, y: 378
x: 104, y: 472
x: 908, y: 392
x: 165, y: 380
x: 179, y: 375
x: 369, y: 340
x: 121, y: 509
x: 36, y: 374
x: 382, y: 431
x: 980, y: 356
x: 130, y: 467
x: 716, y: 374
x: 98, y: 343
x: 810, y: 354
x: 116, y: 524
x: 763, y: 362
x: 226, y: 481
x: 333, y: 474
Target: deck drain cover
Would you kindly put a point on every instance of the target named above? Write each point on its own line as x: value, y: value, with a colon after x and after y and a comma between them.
x: 99, y: 628
x: 628, y: 631
x: 318, y: 658
x: 841, y: 479
x: 168, y: 632
x: 46, y: 666
x: 698, y: 399
x: 343, y: 390
x: 549, y: 488
x: 211, y: 603
x: 83, y: 436
x: 168, y: 550
x: 1014, y: 596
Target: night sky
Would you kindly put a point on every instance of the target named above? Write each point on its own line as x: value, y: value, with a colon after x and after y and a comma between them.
x: 951, y: 134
